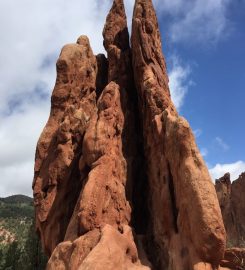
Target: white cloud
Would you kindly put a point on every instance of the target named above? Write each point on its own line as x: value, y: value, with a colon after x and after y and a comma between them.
x: 204, y: 152
x: 173, y: 6
x: 19, y: 133
x: 178, y: 81
x: 32, y: 35
x: 19, y: 179
x: 222, y: 144
x: 196, y: 20
x: 197, y: 132
x: 35, y: 31
x: 235, y: 169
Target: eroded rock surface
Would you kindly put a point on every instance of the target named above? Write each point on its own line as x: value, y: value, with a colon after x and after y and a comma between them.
x: 119, y: 181
x: 185, y: 215
x: 58, y: 178
x: 232, y: 203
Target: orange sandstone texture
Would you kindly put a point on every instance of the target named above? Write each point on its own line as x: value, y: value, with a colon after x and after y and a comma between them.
x: 119, y: 182
x: 58, y: 178
x: 232, y: 202
x: 187, y: 226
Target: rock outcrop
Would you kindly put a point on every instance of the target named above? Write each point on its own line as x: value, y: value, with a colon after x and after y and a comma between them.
x: 183, y: 235
x: 119, y: 181
x: 59, y: 174
x: 232, y: 204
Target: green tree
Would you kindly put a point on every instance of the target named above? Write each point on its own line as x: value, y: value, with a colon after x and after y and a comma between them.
x: 12, y: 257
x: 2, y: 258
x: 32, y: 257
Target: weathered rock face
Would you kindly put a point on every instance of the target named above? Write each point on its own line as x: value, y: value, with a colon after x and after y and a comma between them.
x: 58, y: 177
x: 185, y: 215
x: 232, y: 204
x: 119, y: 182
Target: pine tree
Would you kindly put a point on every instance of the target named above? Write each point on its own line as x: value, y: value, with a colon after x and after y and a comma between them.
x: 12, y: 257
x: 33, y: 257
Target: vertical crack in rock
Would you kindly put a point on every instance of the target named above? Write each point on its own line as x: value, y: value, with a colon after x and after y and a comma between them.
x: 119, y: 182
x: 102, y: 74
x: 116, y: 42
x: 175, y: 211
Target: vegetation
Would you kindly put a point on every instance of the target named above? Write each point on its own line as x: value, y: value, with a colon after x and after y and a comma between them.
x: 16, y: 207
x: 20, y: 247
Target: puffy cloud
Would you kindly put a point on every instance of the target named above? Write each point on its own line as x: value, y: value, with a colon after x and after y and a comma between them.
x: 179, y: 81
x: 19, y: 133
x: 235, y: 169
x: 17, y: 179
x: 33, y: 33
x: 196, y: 20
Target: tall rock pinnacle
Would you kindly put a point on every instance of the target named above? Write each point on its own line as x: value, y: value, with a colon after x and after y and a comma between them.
x: 58, y: 177
x: 232, y: 205
x: 233, y: 208
x: 119, y: 182
x: 185, y: 234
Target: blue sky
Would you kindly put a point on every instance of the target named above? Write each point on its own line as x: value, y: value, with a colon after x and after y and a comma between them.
x: 203, y: 42
x: 214, y: 103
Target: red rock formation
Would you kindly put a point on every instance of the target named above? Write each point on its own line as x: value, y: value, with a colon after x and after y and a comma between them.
x: 238, y: 205
x: 232, y: 205
x: 58, y: 177
x: 119, y: 182
x: 103, y: 167
x: 187, y: 224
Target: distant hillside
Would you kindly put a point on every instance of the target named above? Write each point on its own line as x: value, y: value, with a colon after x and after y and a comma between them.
x: 16, y: 206
x: 20, y: 247
x: 17, y: 199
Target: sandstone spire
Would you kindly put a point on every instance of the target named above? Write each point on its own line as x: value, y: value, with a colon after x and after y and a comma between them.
x: 119, y: 182
x: 97, y: 224
x: 185, y: 215
x: 58, y: 179
x: 232, y: 205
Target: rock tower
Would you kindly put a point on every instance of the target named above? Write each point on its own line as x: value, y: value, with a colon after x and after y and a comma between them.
x: 119, y: 181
